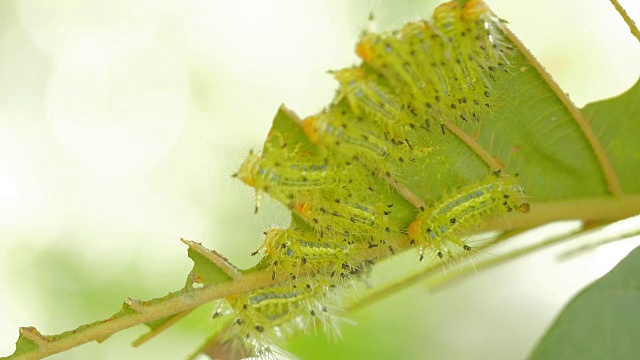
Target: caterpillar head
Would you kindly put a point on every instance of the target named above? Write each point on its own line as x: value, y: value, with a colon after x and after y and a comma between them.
x: 249, y: 169
x: 365, y: 47
x: 474, y: 9
x: 446, y: 16
x: 315, y: 127
x: 274, y: 241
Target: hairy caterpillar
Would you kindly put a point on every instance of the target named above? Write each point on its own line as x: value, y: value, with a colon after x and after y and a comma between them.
x: 267, y: 317
x: 366, y: 95
x: 441, y: 227
x: 291, y: 250
x: 344, y: 219
x: 338, y: 130
x: 363, y: 227
x: 352, y: 140
x: 282, y: 177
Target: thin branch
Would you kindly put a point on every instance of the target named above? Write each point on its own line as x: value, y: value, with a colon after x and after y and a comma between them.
x: 157, y: 330
x: 100, y: 330
x: 602, y: 241
x: 441, y: 280
x: 462, y: 268
x: 587, y: 210
x: 630, y: 23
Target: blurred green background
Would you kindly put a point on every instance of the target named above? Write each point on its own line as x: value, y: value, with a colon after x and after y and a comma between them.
x: 120, y: 123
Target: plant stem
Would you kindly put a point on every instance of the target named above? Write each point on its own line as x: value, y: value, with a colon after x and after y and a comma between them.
x: 590, y: 210
x: 630, y: 23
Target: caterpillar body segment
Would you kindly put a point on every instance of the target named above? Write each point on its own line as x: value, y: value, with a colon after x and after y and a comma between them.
x: 283, y: 177
x: 367, y: 96
x: 296, y: 252
x: 442, y: 227
x: 265, y: 319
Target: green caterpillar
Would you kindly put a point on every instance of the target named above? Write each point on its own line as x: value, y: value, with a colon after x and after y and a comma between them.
x: 440, y: 229
x: 344, y: 219
x: 265, y: 318
x: 293, y: 250
x: 284, y: 178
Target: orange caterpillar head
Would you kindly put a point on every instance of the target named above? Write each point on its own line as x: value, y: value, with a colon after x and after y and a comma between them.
x: 364, y: 48
x: 303, y: 208
x: 273, y: 241
x: 414, y: 228
x: 248, y: 169
x: 446, y: 15
x: 315, y: 127
x: 473, y: 9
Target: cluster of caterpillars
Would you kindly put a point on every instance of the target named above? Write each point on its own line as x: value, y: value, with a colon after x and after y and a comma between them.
x: 390, y: 112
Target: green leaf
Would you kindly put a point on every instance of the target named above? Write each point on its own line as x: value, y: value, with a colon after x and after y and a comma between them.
x: 24, y: 345
x: 209, y: 267
x: 615, y: 122
x: 602, y: 321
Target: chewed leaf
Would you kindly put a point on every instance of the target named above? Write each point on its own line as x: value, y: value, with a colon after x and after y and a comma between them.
x: 209, y: 268
x: 25, y: 344
x: 289, y: 126
x: 602, y: 321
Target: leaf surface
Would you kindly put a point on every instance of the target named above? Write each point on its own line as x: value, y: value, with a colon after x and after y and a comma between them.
x: 616, y: 122
x: 602, y: 321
